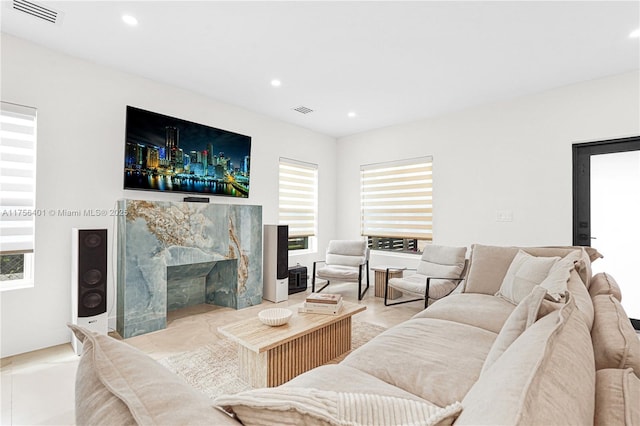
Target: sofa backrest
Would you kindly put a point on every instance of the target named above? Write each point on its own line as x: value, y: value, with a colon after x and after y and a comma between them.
x: 489, y: 264
x: 347, y: 252
x: 617, y: 397
x: 546, y: 376
x: 615, y: 342
x: 603, y: 283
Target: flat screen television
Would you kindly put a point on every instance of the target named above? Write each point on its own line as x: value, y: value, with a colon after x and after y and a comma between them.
x: 168, y: 154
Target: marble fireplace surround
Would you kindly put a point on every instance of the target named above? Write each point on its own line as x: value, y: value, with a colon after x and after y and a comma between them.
x: 175, y: 254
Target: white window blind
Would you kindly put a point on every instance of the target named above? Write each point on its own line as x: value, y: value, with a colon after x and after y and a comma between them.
x: 17, y: 178
x: 298, y: 197
x: 397, y: 199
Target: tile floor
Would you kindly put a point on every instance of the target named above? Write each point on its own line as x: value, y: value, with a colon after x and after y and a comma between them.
x: 37, y: 388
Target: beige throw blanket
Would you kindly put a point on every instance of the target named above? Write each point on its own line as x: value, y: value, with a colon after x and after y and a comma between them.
x: 295, y: 406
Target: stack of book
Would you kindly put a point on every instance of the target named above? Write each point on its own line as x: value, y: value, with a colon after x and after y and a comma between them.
x: 322, y: 303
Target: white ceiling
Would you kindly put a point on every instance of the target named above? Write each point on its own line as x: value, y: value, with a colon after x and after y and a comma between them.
x: 390, y: 62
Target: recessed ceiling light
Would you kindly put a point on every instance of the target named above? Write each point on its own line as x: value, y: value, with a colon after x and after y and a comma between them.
x: 130, y: 20
x: 276, y: 83
x: 635, y: 34
x: 351, y: 114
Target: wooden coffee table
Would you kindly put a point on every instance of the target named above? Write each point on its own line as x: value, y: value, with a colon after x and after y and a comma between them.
x: 270, y: 356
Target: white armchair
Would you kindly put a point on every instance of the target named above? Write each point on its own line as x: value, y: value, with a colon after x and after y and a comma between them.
x: 346, y: 260
x: 439, y: 272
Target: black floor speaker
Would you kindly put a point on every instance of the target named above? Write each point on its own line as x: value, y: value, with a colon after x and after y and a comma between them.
x: 92, y: 272
x: 275, y: 263
x: 89, y: 281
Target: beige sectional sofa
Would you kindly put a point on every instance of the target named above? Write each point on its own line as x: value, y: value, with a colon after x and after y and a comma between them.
x: 563, y: 352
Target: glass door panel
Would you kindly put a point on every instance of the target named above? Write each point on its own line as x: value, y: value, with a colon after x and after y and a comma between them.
x: 615, y: 221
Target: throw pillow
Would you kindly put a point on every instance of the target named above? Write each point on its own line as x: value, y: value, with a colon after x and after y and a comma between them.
x: 523, y: 316
x: 556, y: 280
x: 524, y: 273
x: 295, y: 406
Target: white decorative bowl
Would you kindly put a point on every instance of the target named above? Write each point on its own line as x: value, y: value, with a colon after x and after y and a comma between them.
x: 275, y: 316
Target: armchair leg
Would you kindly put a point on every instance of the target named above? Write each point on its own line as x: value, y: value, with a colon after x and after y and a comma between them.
x: 360, y: 292
x: 321, y: 288
x: 426, y: 295
x: 386, y: 287
x: 386, y: 293
x: 367, y: 273
x: 313, y: 279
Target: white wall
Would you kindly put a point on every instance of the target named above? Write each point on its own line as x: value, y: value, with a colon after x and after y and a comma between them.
x: 81, y: 118
x: 513, y: 155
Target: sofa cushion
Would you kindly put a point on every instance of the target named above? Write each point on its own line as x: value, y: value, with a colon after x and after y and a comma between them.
x: 522, y: 317
x: 117, y: 384
x: 308, y: 406
x: 615, y: 342
x: 581, y: 297
x: 546, y: 377
x: 489, y: 265
x: 434, y: 359
x: 592, y: 253
x: 617, y: 397
x: 487, y: 268
x: 603, y: 283
x: 350, y: 380
x: 479, y: 310
x: 556, y: 281
x: 525, y: 272
x: 583, y: 266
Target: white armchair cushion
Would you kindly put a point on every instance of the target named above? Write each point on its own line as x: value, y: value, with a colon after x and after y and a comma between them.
x: 435, y: 255
x: 338, y: 272
x: 347, y: 247
x: 416, y: 285
x: 442, y: 261
x: 437, y: 262
x: 347, y: 253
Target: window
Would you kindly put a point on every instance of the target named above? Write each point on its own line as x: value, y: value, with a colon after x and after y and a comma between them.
x: 17, y: 198
x: 397, y: 204
x: 298, y: 201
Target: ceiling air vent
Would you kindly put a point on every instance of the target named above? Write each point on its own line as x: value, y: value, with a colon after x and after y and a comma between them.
x: 38, y: 11
x: 303, y: 109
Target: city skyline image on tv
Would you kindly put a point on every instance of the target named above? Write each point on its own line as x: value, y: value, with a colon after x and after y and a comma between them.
x: 169, y: 154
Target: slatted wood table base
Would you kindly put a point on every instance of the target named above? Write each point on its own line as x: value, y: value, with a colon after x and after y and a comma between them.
x: 270, y: 356
x: 380, y: 276
x: 284, y: 362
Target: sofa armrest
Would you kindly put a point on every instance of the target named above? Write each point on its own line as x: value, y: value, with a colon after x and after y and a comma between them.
x: 118, y: 384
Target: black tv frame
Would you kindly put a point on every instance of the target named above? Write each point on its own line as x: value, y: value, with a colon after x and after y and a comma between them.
x: 169, y: 154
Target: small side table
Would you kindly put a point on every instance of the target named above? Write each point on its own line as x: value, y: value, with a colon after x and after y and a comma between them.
x: 381, y: 271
